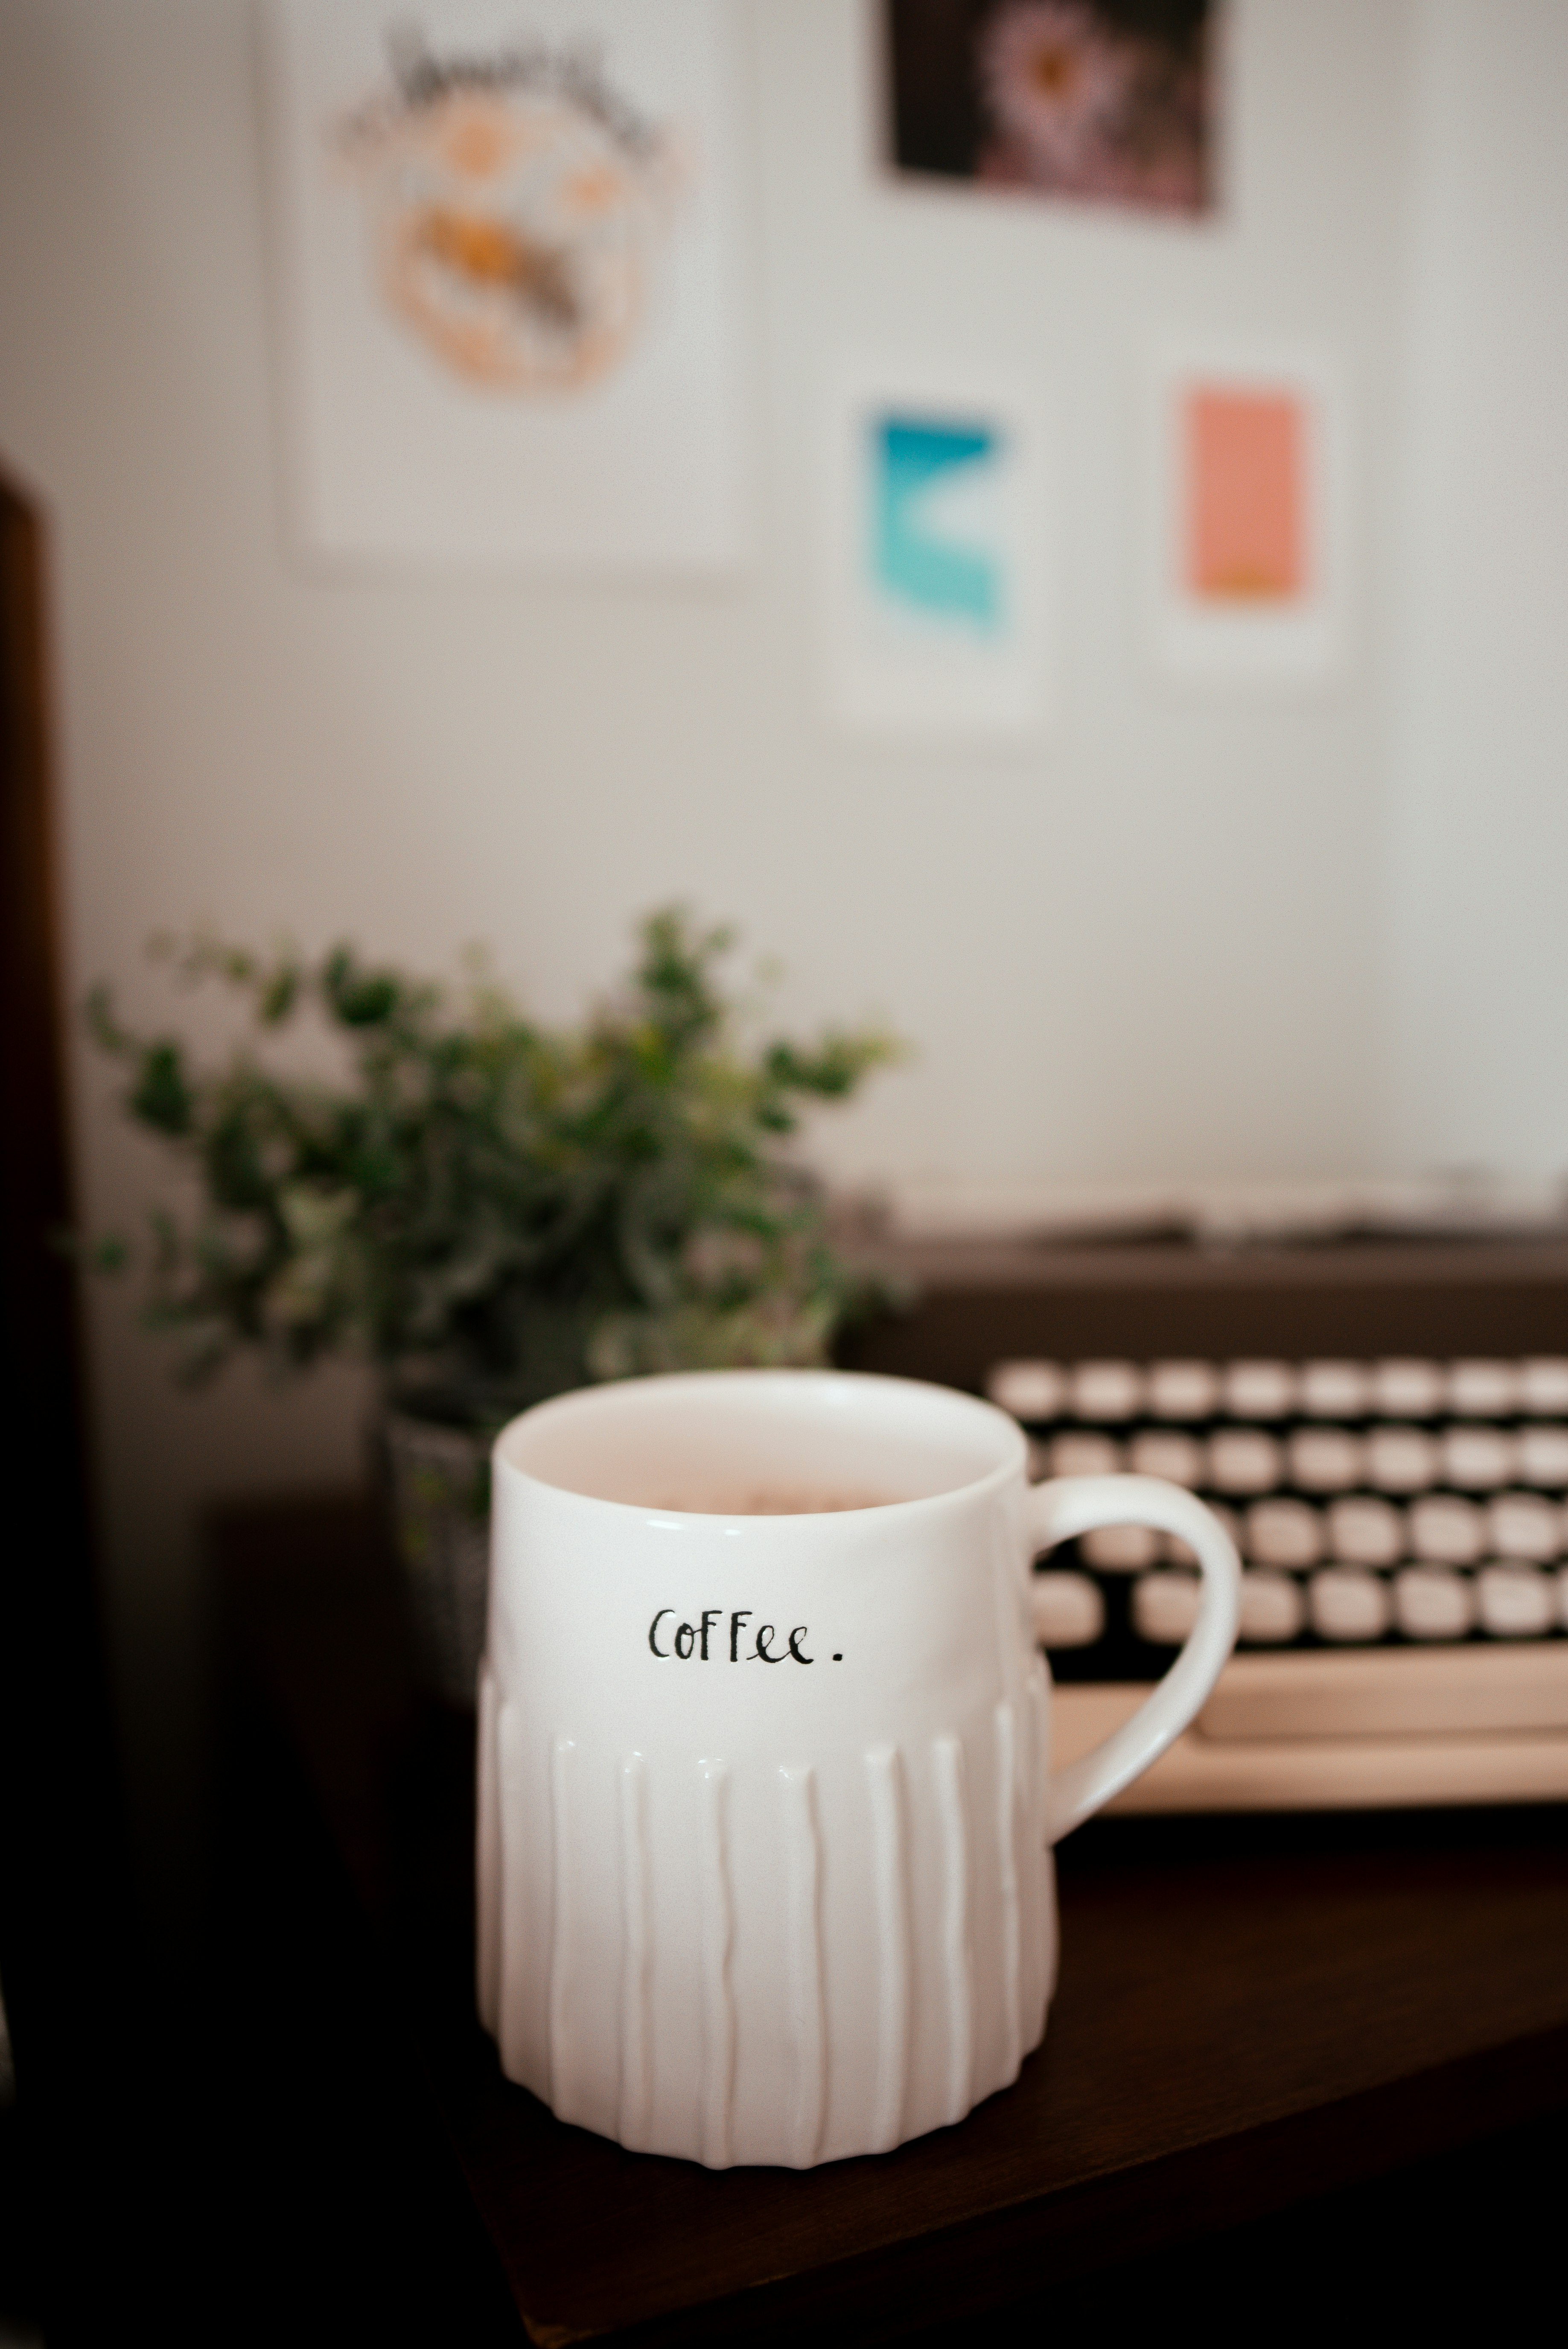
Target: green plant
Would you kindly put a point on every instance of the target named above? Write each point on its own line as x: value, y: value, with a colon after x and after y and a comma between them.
x: 491, y: 1210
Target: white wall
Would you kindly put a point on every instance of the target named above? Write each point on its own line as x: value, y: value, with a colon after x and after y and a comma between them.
x: 1148, y: 950
x: 1478, y: 937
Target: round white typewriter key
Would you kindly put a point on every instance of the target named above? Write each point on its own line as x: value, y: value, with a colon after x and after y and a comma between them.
x: 1433, y: 1603
x: 1346, y: 1604
x: 1084, y: 1455
x: 1283, y: 1533
x: 1516, y: 1602
x: 1562, y: 1578
x: 1523, y: 1524
x: 1102, y: 1390
x: 1335, y: 1390
x: 1325, y: 1459
x: 1406, y: 1389
x: 1543, y: 1458
x: 1446, y: 1531
x: 1260, y: 1389
x: 1028, y: 1389
x: 1366, y: 1533
x: 1039, y: 1461
x: 1272, y: 1608
x: 1244, y: 1460
x: 1183, y: 1391
x: 1401, y: 1460
x: 1121, y: 1549
x: 1478, y: 1459
x: 1068, y: 1611
x: 1165, y: 1607
x: 1543, y: 1385
x: 1483, y: 1390
x: 1163, y: 1453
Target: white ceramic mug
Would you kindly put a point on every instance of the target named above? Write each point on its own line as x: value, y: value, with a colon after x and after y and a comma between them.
x: 765, y: 1804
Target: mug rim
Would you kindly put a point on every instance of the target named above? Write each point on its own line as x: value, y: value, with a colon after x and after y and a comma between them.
x: 583, y: 1401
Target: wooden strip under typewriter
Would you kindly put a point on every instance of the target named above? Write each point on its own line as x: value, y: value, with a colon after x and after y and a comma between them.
x: 1391, y: 1692
x: 1318, y: 1773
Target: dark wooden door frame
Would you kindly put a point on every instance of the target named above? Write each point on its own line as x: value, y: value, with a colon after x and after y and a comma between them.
x: 69, y: 1942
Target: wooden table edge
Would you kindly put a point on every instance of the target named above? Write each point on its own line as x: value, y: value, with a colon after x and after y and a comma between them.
x: 1208, y: 2186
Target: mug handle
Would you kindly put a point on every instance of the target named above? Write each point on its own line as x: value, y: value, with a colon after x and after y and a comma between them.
x: 1068, y: 1505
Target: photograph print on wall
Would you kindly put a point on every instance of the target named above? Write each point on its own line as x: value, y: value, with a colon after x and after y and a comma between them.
x: 935, y: 545
x: 511, y: 286
x: 1097, y: 101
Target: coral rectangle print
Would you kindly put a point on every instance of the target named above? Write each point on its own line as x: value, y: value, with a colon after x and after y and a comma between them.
x: 1245, y: 520
x: 1249, y: 545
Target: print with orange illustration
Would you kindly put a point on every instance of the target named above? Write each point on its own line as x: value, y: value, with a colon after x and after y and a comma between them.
x: 518, y: 208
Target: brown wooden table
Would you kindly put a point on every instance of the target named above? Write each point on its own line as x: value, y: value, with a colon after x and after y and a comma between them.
x: 1250, y: 2014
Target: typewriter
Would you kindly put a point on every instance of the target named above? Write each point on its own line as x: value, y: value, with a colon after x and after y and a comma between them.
x: 1381, y: 1422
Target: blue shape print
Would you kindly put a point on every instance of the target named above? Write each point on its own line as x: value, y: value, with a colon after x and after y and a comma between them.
x: 924, y: 470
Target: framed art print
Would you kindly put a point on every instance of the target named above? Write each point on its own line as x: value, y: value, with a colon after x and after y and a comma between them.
x: 1080, y: 102
x: 511, y: 282
x: 936, y: 554
x: 1248, y: 549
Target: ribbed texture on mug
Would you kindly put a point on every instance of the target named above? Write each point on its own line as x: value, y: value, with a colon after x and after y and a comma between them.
x: 636, y: 1956
x: 1007, y: 1880
x: 884, y: 1783
x: 487, y: 1858
x: 807, y: 2013
x: 957, y: 1966
x: 936, y: 2033
x: 562, y: 2050
x: 717, y: 1987
x: 515, y: 1946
